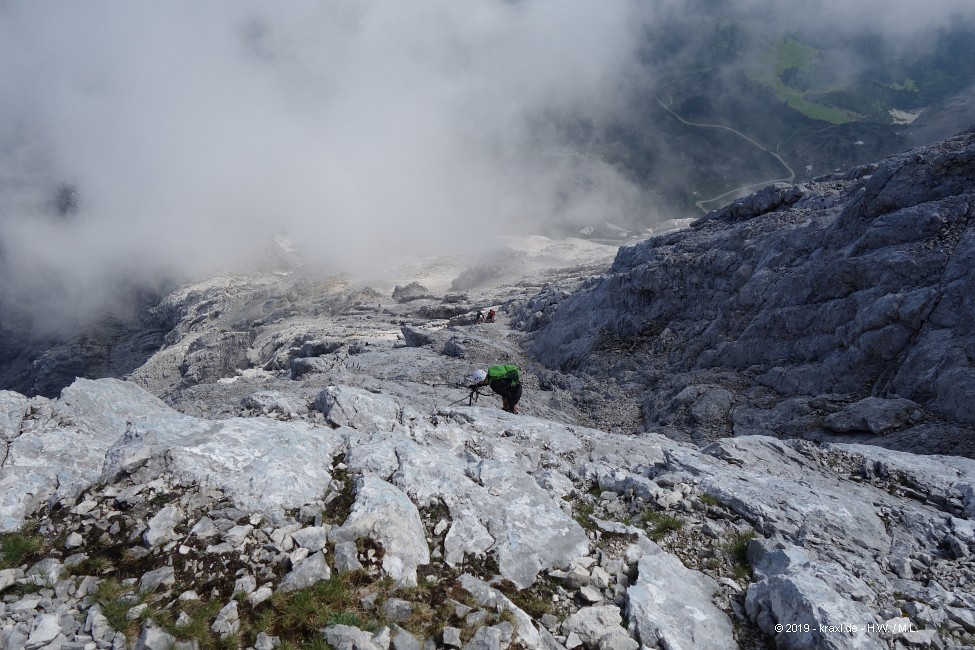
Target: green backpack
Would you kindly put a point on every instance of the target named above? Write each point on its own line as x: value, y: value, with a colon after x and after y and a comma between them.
x: 507, y: 371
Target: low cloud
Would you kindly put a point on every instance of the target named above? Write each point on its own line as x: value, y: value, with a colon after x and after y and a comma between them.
x: 181, y: 137
x: 143, y: 141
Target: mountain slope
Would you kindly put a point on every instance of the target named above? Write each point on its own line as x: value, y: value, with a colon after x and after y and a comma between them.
x: 851, y: 286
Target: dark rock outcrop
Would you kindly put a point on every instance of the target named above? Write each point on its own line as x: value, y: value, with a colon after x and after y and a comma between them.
x: 412, y: 291
x: 853, y: 285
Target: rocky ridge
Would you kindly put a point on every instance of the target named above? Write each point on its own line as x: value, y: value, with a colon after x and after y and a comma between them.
x: 610, y: 541
x: 838, y: 306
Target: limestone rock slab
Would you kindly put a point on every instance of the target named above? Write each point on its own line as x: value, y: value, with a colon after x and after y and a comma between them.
x: 358, y: 409
x: 385, y: 514
x: 671, y: 605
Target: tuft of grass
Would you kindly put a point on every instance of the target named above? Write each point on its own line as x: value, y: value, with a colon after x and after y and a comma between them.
x: 736, y: 548
x: 26, y: 589
x: 708, y: 499
x: 92, y: 566
x: 198, y: 627
x: 741, y: 572
x: 299, y: 615
x: 426, y: 618
x: 660, y: 524
x: 582, y: 512
x: 116, y: 601
x: 229, y: 642
x: 18, y: 547
x: 346, y: 618
x: 535, y: 600
x: 314, y: 644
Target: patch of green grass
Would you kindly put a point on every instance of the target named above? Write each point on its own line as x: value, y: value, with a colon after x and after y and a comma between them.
x: 535, y: 600
x: 346, y: 618
x: 736, y: 548
x: 299, y: 615
x: 317, y: 644
x: 116, y: 601
x: 796, y: 100
x: 18, y: 547
x: 229, y: 642
x: 791, y: 53
x: 92, y: 566
x: 27, y: 589
x: 201, y: 615
x: 741, y: 572
x: 582, y: 512
x: 660, y: 524
x: 709, y: 500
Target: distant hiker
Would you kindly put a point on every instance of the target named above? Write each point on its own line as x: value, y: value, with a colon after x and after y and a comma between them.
x: 480, y: 317
x: 505, y: 380
x: 491, y: 315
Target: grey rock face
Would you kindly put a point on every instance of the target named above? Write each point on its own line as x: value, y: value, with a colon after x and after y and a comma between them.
x: 816, y: 596
x: 346, y: 557
x: 162, y: 524
x: 13, y: 408
x: 874, y: 415
x: 51, y: 462
x: 671, y: 605
x: 858, y: 285
x: 591, y: 624
x: 397, y: 610
x: 494, y: 505
x: 485, y: 638
x: 304, y: 366
x: 416, y: 337
x: 307, y: 572
x: 384, y: 513
x: 313, y: 537
x: 412, y: 291
x: 317, y: 348
x: 346, y: 637
x: 213, y: 356
x: 227, y: 621
x: 157, y: 580
x: 536, y: 503
x: 490, y: 598
x: 247, y: 457
x: 153, y: 637
x: 269, y: 402
x: 45, y: 630
x: 356, y: 408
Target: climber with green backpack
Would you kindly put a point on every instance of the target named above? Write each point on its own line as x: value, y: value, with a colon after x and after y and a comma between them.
x: 504, y: 380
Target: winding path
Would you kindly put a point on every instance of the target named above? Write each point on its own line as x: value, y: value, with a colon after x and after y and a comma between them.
x: 758, y: 185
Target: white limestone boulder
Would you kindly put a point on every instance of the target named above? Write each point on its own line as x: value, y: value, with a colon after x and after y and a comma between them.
x: 671, y: 605
x: 383, y: 513
x: 359, y: 409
